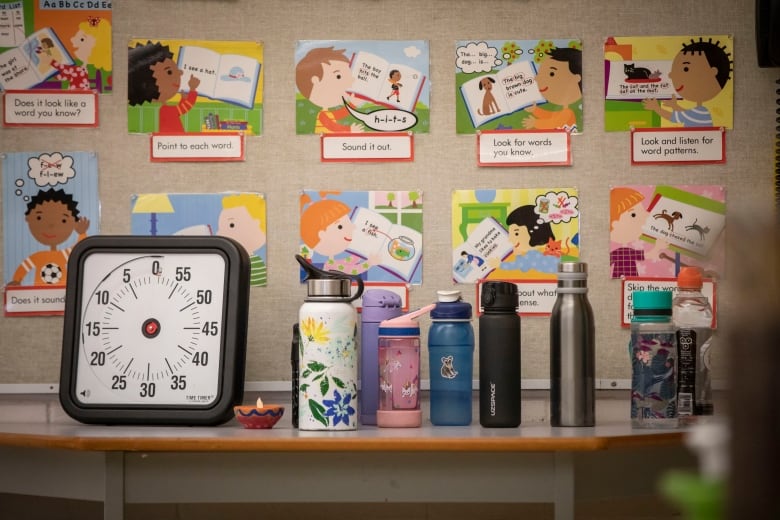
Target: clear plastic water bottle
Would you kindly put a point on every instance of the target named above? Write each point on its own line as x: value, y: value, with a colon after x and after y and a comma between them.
x: 572, y: 350
x: 692, y: 317
x: 653, y: 350
x: 378, y: 305
x: 328, y: 356
x: 451, y: 360
x: 399, y: 371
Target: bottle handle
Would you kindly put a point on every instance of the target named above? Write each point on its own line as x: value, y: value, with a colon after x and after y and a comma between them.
x: 314, y: 272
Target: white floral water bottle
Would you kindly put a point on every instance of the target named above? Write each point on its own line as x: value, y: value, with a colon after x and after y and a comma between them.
x: 328, y: 351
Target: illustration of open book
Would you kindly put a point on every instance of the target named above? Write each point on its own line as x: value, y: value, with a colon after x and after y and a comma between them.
x: 398, y: 247
x: 225, y: 77
x: 30, y: 63
x: 639, y: 80
x: 495, y: 95
x: 470, y: 259
x: 690, y: 223
x: 372, y: 81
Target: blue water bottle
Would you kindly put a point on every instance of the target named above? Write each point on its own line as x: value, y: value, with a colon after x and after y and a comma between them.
x: 451, y: 360
x: 378, y: 305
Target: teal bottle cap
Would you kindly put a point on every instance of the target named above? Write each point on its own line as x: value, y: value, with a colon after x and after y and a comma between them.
x: 658, y: 303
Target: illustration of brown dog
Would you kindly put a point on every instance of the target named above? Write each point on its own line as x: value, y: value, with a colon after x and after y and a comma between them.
x: 489, y: 105
x: 676, y: 215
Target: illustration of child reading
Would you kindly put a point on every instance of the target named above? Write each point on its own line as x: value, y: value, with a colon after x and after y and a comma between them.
x: 92, y: 48
x: 527, y: 231
x: 560, y: 82
x: 326, y: 229
x: 627, y: 215
x: 323, y: 77
x: 243, y: 219
x: 52, y: 217
x: 153, y: 76
x: 699, y: 72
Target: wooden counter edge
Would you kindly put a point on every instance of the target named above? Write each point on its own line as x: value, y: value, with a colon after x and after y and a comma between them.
x: 331, y: 444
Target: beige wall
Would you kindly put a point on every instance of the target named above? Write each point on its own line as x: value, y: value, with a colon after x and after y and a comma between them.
x: 280, y: 164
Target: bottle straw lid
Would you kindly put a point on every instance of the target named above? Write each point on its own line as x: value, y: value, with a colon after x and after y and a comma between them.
x: 405, y: 323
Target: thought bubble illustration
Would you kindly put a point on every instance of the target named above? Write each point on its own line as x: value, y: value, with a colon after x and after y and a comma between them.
x: 477, y: 57
x: 50, y: 169
x: 385, y: 120
x: 557, y: 207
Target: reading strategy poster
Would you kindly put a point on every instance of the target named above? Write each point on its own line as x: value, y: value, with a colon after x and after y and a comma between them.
x: 376, y: 235
x: 513, y: 234
x: 518, y: 84
x: 194, y: 86
x: 240, y: 216
x: 656, y: 230
x: 668, y: 81
x: 362, y: 86
x: 50, y: 202
x: 55, y: 45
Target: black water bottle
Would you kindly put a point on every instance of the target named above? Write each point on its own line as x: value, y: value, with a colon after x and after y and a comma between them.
x: 499, y: 356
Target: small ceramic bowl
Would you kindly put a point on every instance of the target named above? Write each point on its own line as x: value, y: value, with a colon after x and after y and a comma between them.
x: 253, y: 417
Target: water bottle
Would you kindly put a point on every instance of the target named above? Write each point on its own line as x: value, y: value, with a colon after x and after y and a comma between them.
x: 572, y: 350
x: 451, y: 361
x: 378, y: 305
x: 328, y: 356
x: 295, y: 367
x: 692, y: 317
x: 653, y: 350
x: 499, y: 356
x: 399, y: 371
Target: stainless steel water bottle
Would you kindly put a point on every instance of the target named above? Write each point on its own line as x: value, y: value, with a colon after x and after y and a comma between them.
x: 499, y: 356
x: 378, y: 305
x: 328, y: 356
x: 572, y: 350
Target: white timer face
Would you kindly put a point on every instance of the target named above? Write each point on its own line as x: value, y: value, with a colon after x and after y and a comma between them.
x: 151, y: 329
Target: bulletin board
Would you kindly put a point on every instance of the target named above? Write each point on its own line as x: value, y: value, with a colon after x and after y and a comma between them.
x: 281, y: 164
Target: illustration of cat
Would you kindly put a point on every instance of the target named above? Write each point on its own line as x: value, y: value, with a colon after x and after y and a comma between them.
x: 447, y: 370
x: 633, y: 72
x: 553, y: 248
x: 699, y: 229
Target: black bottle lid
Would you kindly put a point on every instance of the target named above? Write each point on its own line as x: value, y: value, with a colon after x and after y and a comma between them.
x: 499, y: 296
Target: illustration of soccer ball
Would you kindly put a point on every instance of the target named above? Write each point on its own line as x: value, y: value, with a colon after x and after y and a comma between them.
x: 51, y: 273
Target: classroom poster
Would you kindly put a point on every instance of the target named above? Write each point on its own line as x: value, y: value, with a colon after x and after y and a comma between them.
x: 355, y: 86
x: 55, y: 45
x: 668, y: 81
x: 513, y: 234
x: 194, y: 86
x: 376, y: 235
x: 240, y: 216
x: 50, y: 202
x: 518, y: 84
x: 655, y: 230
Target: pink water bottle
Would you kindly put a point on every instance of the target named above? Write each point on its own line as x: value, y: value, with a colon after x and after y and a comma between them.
x: 399, y: 371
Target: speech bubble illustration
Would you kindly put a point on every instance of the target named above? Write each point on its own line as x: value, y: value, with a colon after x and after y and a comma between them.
x: 384, y: 119
x: 557, y: 207
x: 477, y: 57
x: 50, y: 169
